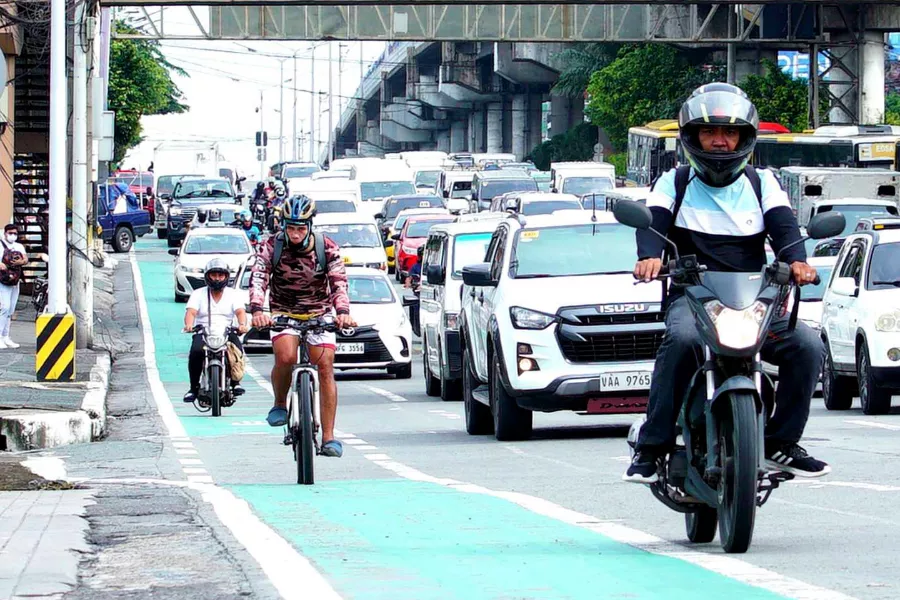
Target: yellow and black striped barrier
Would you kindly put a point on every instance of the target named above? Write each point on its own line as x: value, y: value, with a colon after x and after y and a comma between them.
x: 54, y: 359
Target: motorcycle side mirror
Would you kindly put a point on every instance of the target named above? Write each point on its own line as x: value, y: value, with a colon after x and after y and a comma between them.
x: 826, y: 225
x: 173, y: 251
x: 396, y: 236
x: 633, y: 214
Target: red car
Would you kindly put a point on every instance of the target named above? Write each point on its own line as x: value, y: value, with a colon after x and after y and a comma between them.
x: 414, y: 233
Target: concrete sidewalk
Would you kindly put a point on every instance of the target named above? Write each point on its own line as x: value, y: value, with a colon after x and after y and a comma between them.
x: 36, y: 415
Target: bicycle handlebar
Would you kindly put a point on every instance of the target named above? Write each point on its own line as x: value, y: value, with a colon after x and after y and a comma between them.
x: 317, y: 325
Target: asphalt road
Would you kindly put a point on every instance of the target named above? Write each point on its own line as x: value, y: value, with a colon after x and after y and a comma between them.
x: 418, y: 509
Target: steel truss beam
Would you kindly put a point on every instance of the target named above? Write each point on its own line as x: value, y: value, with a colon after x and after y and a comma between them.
x: 672, y: 23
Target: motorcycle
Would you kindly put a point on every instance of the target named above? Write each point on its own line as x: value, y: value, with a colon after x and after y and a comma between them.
x: 39, y: 294
x: 215, y: 389
x: 716, y: 474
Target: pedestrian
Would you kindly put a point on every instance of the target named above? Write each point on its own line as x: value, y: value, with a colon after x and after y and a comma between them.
x: 14, y: 258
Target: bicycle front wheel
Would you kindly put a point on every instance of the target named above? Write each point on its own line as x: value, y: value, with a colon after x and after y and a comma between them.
x: 304, y: 449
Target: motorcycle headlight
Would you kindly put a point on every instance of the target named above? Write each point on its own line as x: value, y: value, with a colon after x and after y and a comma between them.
x: 174, y: 211
x: 736, y: 329
x: 523, y: 318
x: 215, y: 341
x: 888, y: 321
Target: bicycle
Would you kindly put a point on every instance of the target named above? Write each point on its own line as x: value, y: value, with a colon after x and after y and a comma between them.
x: 303, y: 424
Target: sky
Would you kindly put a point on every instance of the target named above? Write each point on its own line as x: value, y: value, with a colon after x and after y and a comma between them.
x: 223, y: 93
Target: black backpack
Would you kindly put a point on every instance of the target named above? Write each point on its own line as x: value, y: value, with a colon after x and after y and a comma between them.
x: 320, y: 251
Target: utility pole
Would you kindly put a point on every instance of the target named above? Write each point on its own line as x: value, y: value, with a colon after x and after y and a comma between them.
x: 294, y: 141
x: 281, y: 111
x: 312, y: 105
x: 82, y: 268
x: 262, y: 163
x: 58, y: 108
x: 330, y: 104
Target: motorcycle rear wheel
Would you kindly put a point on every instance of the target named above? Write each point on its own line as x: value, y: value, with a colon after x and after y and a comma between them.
x: 738, y: 458
x: 701, y: 525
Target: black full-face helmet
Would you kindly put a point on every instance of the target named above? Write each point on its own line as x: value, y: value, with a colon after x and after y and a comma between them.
x: 723, y: 105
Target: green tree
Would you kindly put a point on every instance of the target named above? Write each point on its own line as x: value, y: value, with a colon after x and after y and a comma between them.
x: 778, y: 97
x: 140, y: 83
x: 581, y: 62
x: 643, y: 84
x: 892, y: 108
x: 575, y: 144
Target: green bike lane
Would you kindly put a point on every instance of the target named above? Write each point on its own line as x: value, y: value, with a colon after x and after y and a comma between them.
x: 376, y: 535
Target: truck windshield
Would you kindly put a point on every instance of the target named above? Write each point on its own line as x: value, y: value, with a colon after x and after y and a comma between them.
x: 488, y: 190
x: 573, y: 250
x: 586, y: 185
x: 202, y: 189
x: 382, y: 189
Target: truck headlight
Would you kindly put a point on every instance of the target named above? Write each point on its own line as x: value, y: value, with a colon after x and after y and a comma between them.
x: 736, y: 329
x: 174, y: 211
x: 524, y: 318
x: 888, y: 321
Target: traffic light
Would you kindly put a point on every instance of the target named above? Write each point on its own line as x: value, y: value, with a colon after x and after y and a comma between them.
x: 262, y: 139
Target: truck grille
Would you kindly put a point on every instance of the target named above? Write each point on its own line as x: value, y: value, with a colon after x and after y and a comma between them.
x: 611, y: 347
x: 626, y: 319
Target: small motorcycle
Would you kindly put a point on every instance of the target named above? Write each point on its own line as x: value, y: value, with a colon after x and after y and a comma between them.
x: 215, y: 380
x: 39, y: 294
x: 716, y: 475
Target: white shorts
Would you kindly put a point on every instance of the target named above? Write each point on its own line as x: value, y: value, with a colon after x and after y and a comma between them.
x: 326, y: 339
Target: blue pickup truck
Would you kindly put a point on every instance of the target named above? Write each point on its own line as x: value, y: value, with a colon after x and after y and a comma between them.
x: 120, y: 216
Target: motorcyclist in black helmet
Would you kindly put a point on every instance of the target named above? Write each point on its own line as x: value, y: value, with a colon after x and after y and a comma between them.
x: 721, y: 210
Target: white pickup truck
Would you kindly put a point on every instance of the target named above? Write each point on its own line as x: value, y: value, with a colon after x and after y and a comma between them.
x: 552, y: 320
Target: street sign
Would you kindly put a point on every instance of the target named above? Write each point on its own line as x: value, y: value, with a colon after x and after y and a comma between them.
x: 261, y: 154
x: 262, y: 138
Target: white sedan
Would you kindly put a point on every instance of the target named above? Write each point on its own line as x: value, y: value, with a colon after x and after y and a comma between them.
x: 201, y: 246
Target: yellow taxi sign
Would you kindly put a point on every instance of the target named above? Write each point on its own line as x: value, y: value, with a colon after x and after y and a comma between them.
x: 531, y: 235
x: 346, y: 260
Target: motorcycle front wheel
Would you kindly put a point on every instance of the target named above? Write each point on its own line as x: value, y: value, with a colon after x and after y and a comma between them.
x: 738, y: 458
x: 215, y: 394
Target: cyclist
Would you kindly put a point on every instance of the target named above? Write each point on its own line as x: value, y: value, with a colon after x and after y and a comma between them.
x: 303, y: 282
x: 721, y: 210
x: 215, y: 306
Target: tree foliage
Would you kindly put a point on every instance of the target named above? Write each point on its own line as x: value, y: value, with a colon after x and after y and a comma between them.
x: 644, y: 83
x: 581, y: 62
x: 575, y: 144
x: 778, y: 97
x: 892, y: 108
x: 140, y: 83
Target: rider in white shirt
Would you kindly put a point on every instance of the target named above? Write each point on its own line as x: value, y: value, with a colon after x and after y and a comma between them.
x: 215, y: 307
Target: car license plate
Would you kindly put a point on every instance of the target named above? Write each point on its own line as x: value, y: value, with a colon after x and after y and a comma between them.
x: 357, y: 348
x: 627, y: 380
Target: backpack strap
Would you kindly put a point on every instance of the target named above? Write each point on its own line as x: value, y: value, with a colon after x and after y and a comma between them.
x: 320, y: 252
x: 682, y: 180
x: 755, y: 181
x: 279, y: 249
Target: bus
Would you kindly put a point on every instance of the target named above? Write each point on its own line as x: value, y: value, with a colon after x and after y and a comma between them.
x: 862, y: 147
x: 655, y: 148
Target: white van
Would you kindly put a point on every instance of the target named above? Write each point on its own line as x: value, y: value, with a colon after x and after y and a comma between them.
x: 358, y: 237
x: 389, y: 180
x: 448, y: 249
x: 582, y: 178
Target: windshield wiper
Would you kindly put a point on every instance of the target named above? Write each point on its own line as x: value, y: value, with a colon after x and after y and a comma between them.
x: 893, y: 283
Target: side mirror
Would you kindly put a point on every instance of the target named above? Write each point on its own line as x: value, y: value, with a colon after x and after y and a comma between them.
x: 478, y: 275
x: 165, y: 196
x: 379, y: 216
x: 409, y: 300
x: 826, y: 225
x: 241, y: 179
x: 633, y: 214
x: 388, y: 243
x: 434, y: 275
x: 553, y: 190
x: 511, y: 204
x: 173, y: 251
x: 845, y: 286
x: 396, y: 237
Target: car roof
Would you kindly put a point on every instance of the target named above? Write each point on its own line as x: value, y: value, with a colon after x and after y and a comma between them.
x: 429, y: 217
x: 545, y: 196
x: 503, y: 174
x: 434, y: 210
x: 454, y: 229
x: 887, y: 236
x: 412, y: 197
x: 354, y: 218
x: 223, y: 230
x: 368, y: 271
x: 567, y: 217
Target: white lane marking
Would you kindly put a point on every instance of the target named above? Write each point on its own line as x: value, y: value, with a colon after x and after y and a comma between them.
x: 355, y: 442
x: 248, y: 423
x: 555, y: 461
x: 280, y: 561
x: 724, y: 565
x: 183, y: 444
x: 385, y: 393
x: 195, y: 471
x: 366, y: 447
x: 445, y: 414
x: 874, y: 424
x: 872, y: 487
x: 377, y: 457
x: 158, y: 391
x: 190, y: 461
x: 258, y: 378
x: 342, y: 435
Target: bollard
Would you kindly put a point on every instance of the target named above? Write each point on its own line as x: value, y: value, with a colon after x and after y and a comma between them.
x: 54, y: 358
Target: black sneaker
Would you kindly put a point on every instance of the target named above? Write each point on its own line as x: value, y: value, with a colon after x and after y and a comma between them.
x: 190, y: 397
x: 791, y: 458
x: 237, y: 390
x: 642, y: 468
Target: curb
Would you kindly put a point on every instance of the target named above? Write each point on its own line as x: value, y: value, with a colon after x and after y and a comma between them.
x: 39, y: 429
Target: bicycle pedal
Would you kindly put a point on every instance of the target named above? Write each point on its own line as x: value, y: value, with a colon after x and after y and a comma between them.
x: 288, y: 439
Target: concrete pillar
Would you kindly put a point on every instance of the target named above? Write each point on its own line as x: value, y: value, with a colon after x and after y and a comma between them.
x: 748, y: 61
x: 871, y: 80
x: 520, y: 126
x: 442, y: 140
x: 559, y: 114
x: 495, y: 127
x: 458, y: 132
x: 534, y: 121
x: 476, y: 130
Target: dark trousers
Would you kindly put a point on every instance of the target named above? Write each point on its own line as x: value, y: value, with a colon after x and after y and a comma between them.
x: 196, y: 357
x: 799, y: 356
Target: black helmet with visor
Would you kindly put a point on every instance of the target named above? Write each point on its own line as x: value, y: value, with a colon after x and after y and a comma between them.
x: 718, y: 105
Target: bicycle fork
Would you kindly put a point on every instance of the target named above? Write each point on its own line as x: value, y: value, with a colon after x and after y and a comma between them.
x: 294, y: 411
